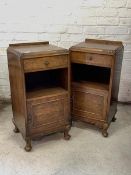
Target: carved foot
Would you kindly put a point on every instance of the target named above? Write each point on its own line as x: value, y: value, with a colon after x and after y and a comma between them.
x: 114, y: 119
x: 66, y: 136
x: 104, y: 130
x: 28, y: 146
x: 16, y: 130
x: 105, y: 133
x: 66, y: 133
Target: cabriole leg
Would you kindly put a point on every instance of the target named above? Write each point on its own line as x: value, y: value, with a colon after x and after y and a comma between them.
x: 66, y: 133
x: 16, y: 130
x: 28, y: 146
x: 114, y: 119
x: 104, y: 130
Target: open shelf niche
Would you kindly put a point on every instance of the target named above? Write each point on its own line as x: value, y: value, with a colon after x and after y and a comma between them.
x: 91, y: 76
x: 44, y: 83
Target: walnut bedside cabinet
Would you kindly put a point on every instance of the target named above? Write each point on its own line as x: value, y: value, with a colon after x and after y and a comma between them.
x: 40, y: 89
x: 95, y: 77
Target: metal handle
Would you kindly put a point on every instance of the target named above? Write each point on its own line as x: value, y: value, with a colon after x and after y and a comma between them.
x: 90, y: 58
x: 46, y: 63
x: 29, y: 118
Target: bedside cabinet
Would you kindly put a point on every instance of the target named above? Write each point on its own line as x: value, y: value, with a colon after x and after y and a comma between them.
x: 39, y: 76
x: 95, y: 77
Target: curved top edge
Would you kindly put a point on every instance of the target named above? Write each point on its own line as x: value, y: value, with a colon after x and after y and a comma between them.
x: 98, y: 41
x: 28, y: 43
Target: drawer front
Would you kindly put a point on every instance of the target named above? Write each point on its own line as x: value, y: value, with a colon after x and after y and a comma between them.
x: 91, y: 59
x: 45, y: 63
x: 89, y: 105
x: 48, y: 114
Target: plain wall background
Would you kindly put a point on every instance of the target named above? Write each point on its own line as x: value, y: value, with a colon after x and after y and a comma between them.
x: 65, y: 23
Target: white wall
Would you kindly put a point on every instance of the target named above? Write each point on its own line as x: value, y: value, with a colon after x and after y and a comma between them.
x: 64, y: 23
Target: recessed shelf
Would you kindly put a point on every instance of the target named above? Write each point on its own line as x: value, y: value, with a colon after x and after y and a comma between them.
x: 41, y: 92
x: 46, y: 79
x: 99, y: 76
x: 92, y: 85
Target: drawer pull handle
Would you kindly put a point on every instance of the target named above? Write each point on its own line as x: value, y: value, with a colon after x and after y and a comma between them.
x: 46, y: 63
x: 90, y: 58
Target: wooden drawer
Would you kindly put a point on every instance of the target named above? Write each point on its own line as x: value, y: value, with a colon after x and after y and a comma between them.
x: 48, y: 114
x: 45, y: 63
x: 91, y: 59
x: 86, y: 104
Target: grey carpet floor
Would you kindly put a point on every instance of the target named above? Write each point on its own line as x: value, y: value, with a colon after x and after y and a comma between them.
x: 87, y: 153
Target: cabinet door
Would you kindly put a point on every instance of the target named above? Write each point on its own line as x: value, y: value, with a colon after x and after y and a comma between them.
x: 48, y: 115
x: 89, y: 105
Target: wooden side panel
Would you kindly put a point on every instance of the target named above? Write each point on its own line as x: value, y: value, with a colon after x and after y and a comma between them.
x: 17, y: 92
x: 117, y: 74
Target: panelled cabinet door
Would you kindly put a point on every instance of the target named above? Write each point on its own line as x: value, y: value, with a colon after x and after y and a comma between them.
x: 89, y: 105
x: 48, y: 114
